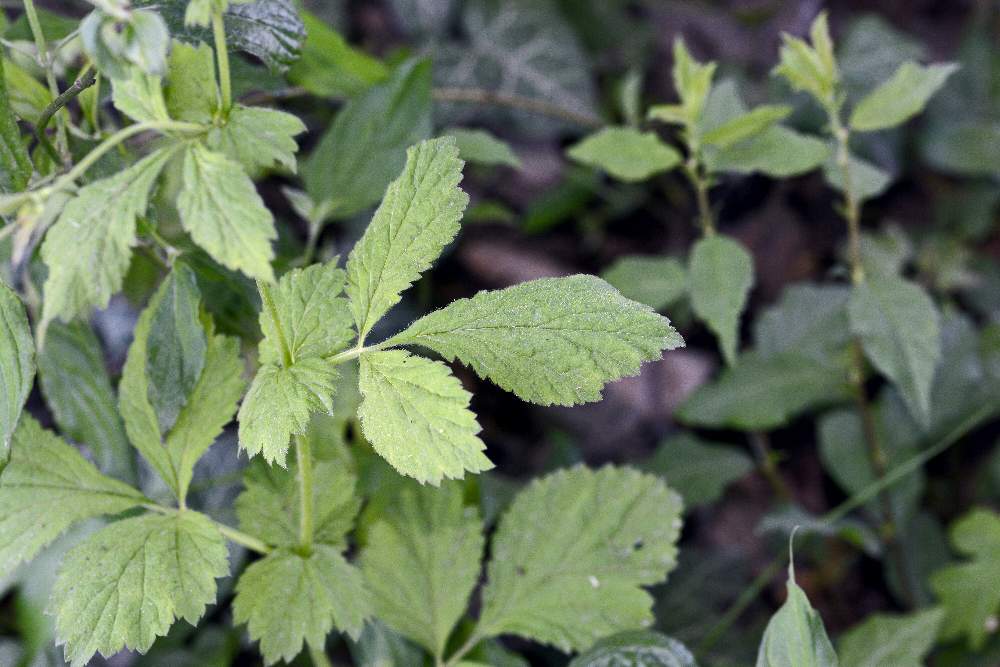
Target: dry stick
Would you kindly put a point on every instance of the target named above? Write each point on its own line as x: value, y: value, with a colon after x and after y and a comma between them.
x: 86, y: 81
x: 876, y: 455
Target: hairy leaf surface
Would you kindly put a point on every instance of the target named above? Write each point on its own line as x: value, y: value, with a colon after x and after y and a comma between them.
x: 17, y: 364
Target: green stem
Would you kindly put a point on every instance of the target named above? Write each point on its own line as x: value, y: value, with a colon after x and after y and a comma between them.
x: 87, y: 78
x: 305, y: 493
x: 469, y: 644
x: 695, y: 172
x: 31, y: 13
x: 272, y: 310
x: 356, y: 352
x: 222, y: 58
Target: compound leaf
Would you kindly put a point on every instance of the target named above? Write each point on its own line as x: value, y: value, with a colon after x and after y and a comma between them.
x: 89, y: 248
x: 550, y: 341
x: 969, y: 599
x: 422, y: 562
x: 416, y: 415
x: 900, y: 331
x: 17, y: 364
x: 625, y: 153
x: 901, y: 97
x: 220, y: 208
x: 287, y: 599
x: 46, y: 488
x: 419, y: 215
x: 258, y: 138
x: 720, y: 275
x: 572, y: 552
x: 125, y: 585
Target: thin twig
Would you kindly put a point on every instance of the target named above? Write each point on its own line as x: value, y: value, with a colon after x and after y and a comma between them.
x: 86, y: 81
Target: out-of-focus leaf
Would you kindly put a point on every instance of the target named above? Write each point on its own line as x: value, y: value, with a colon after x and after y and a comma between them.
x: 481, y: 147
x: 897, y: 640
x: 700, y: 471
x: 329, y: 66
x: 720, y: 276
x: 425, y: 17
x: 15, y: 165
x: 637, y: 648
x: 625, y: 153
x: 901, y: 97
x: 795, y: 637
x: 654, y: 281
x: 378, y: 646
x: 809, y: 319
x: 867, y: 180
x: 17, y: 365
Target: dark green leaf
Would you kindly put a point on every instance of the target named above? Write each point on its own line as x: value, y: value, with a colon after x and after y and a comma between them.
x: 637, y: 648
x: 795, y: 637
x: 330, y: 67
x: 15, y: 165
x: 17, y: 365
x: 700, y: 471
x: 654, y: 281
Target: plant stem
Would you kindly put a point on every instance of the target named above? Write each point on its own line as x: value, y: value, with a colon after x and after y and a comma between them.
x: 305, y: 493
x: 469, y: 644
x: 356, y: 352
x: 695, y: 173
x: 86, y: 80
x: 494, y: 98
x: 876, y: 455
x: 222, y: 58
x: 43, y: 52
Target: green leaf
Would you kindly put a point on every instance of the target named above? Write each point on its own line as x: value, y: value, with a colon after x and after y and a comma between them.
x: 77, y: 389
x: 416, y: 415
x: 970, y: 600
x: 747, y: 125
x: 654, y: 281
x: 867, y: 180
x: 366, y: 147
x: 778, y: 152
x: 891, y: 639
x: 309, y: 318
x: 899, y: 329
x: 422, y: 561
x: 140, y: 96
x: 571, y: 554
x: 763, y: 393
x: 28, y: 97
x: 811, y: 68
x: 269, y: 506
x: 969, y: 149
x: 419, y: 215
x: 810, y: 320
x: 481, y: 147
x: 699, y: 471
x: 220, y: 208
x: 720, y: 275
x: 287, y: 599
x: 795, y: 636
x: 900, y: 98
x: 15, y: 165
x: 279, y: 403
x: 192, y: 92
x: 258, y: 138
x: 625, y: 153
x: 117, y: 46
x: 89, y: 248
x: 550, y: 341
x: 126, y: 584
x: 46, y: 488
x: 693, y: 80
x: 378, y: 646
x: 17, y: 364
x: 175, y: 346
x: 330, y: 67
x: 636, y: 648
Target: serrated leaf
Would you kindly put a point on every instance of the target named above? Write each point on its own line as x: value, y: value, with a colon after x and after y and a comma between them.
x: 17, y: 364
x: 901, y: 97
x: 625, y: 153
x: 419, y: 215
x: 140, y: 96
x: 746, y: 125
x: 271, y: 30
x: 811, y: 67
x: 126, y: 584
x: 279, y: 403
x: 192, y: 92
x: 46, y: 488
x: 636, y: 648
x: 654, y: 281
x: 795, y: 636
x: 313, y: 319
x: 258, y: 138
x: 89, y: 248
x: 572, y: 552
x: 891, y: 639
x: 116, y: 46
x: 287, y: 599
x: 970, y: 601
x: 269, y: 506
x: 481, y: 147
x: 720, y: 275
x: 899, y: 329
x: 550, y: 341
x: 366, y: 146
x: 763, y: 393
x: 778, y: 152
x: 867, y: 180
x: 330, y: 67
x: 808, y: 319
x: 220, y: 208
x: 699, y: 471
x: 422, y: 561
x: 416, y: 415
x: 74, y: 380
x: 175, y: 346
x: 15, y: 165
